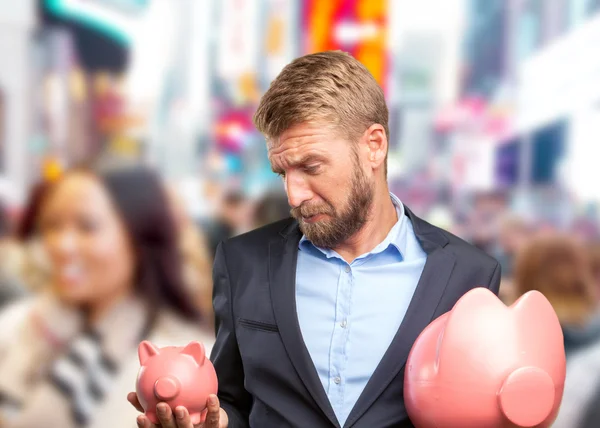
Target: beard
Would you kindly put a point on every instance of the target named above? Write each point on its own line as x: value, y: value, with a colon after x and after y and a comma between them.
x: 343, y: 223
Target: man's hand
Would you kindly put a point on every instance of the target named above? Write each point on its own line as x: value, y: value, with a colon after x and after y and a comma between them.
x: 215, y: 417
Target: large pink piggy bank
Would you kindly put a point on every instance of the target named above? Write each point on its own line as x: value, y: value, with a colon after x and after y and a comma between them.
x: 176, y: 375
x: 485, y: 365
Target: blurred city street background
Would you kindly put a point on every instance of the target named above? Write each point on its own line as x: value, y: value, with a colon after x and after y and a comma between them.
x: 494, y: 118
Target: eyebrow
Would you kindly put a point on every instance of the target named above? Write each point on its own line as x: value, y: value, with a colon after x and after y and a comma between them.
x: 302, y: 161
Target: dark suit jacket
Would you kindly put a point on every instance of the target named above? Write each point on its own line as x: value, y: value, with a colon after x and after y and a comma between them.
x: 266, y: 375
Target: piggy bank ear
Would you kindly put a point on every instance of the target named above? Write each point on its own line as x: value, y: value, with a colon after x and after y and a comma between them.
x: 479, y: 327
x: 146, y: 350
x: 540, y: 327
x: 196, y: 351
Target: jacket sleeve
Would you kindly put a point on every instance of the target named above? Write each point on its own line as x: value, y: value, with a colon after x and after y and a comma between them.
x: 494, y: 284
x: 225, y: 355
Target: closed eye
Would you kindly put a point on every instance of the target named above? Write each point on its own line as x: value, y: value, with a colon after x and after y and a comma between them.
x: 311, y: 169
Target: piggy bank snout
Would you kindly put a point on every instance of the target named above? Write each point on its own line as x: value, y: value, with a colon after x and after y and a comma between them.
x: 527, y: 396
x: 167, y: 388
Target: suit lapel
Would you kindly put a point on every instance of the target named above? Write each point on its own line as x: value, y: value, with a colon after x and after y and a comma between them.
x: 283, y: 256
x: 419, y: 314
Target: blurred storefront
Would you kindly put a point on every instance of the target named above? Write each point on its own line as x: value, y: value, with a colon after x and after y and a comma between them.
x: 79, y: 111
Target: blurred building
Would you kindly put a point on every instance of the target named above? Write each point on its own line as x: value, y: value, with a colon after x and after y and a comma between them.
x: 468, y: 128
x: 558, y: 100
x: 528, y: 109
x: 17, y: 22
x: 485, y: 56
x: 424, y: 66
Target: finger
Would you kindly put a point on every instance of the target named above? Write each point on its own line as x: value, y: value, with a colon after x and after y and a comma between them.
x: 223, y: 419
x: 143, y: 422
x: 183, y: 417
x: 133, y: 399
x: 165, y: 416
x: 212, y: 416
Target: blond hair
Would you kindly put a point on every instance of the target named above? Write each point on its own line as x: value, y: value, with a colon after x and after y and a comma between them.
x: 557, y: 266
x: 330, y: 86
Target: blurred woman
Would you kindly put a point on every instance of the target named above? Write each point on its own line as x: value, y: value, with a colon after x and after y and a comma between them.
x: 559, y: 267
x: 68, y: 356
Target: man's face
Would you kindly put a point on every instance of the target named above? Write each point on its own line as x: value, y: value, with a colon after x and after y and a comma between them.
x: 327, y: 188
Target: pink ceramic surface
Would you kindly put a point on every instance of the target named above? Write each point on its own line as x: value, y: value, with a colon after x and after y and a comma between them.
x: 486, y: 365
x: 179, y: 376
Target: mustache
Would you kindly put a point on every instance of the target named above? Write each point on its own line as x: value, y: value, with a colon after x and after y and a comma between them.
x: 309, y: 211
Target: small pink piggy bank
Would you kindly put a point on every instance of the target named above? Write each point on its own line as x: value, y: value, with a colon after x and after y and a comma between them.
x: 176, y: 375
x: 485, y: 365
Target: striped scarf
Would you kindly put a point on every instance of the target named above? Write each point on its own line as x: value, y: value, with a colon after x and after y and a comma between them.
x: 84, y: 375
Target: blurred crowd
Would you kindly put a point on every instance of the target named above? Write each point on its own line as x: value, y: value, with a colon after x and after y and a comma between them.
x: 96, y: 249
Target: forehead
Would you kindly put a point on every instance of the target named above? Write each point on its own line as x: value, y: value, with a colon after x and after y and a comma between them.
x: 304, y: 138
x: 78, y: 190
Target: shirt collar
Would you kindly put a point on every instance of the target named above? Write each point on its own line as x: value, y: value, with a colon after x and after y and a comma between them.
x: 396, y: 237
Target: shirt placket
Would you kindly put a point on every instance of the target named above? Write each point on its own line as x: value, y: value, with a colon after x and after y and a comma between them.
x: 338, y: 354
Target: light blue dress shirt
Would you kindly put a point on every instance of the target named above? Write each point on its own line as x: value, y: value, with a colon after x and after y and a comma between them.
x: 349, y: 313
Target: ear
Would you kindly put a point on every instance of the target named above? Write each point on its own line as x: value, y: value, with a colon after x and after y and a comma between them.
x: 146, y: 350
x: 196, y: 350
x: 377, y: 145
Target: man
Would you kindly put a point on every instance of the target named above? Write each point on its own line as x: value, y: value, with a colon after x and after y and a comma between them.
x: 316, y: 314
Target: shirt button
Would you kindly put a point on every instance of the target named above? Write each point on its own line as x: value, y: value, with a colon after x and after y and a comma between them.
x: 337, y: 380
x: 343, y: 324
x: 347, y: 268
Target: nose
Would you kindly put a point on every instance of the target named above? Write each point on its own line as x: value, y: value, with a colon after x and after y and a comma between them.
x: 63, y: 244
x: 298, y: 191
x: 66, y: 241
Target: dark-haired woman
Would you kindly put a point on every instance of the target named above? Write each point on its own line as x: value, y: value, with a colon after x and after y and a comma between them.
x: 68, y: 356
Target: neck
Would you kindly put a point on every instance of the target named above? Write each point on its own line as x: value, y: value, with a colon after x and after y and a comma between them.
x: 382, y: 217
x: 98, y: 310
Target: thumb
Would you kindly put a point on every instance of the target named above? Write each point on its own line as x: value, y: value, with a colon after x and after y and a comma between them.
x: 135, y: 402
x: 214, y: 412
